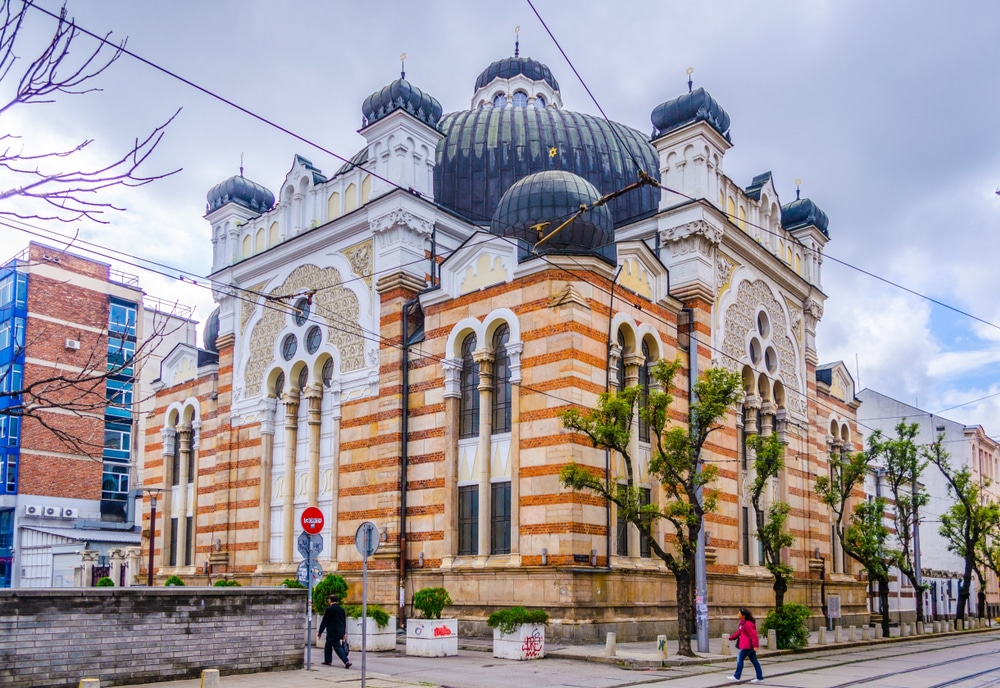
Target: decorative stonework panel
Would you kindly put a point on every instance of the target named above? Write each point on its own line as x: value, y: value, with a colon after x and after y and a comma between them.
x: 634, y: 276
x: 362, y: 259
x: 795, y: 316
x: 724, y: 267
x: 335, y: 304
x: 500, y: 462
x: 468, y: 471
x: 741, y: 320
x: 486, y: 271
x: 249, y: 304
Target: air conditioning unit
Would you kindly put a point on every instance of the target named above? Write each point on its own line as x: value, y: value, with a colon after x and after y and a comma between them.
x: 32, y: 510
x: 52, y: 512
x: 72, y: 344
x: 70, y: 512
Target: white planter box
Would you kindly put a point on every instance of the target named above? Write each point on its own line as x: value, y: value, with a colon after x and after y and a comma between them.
x: 526, y: 642
x: 377, y: 639
x: 432, y: 637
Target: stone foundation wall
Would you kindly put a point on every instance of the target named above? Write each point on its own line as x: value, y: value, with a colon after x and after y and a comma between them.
x: 55, y: 637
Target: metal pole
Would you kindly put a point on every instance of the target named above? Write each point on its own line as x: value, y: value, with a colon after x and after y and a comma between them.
x: 364, y: 603
x: 152, y: 538
x: 309, y: 608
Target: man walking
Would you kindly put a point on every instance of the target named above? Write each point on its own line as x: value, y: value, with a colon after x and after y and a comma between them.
x: 335, y: 624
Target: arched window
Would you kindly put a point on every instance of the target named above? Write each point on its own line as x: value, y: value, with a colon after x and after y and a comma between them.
x: 501, y: 381
x: 540, y: 102
x: 644, y: 393
x: 620, y: 368
x: 500, y: 100
x: 469, y: 401
x: 520, y: 99
x: 175, y: 460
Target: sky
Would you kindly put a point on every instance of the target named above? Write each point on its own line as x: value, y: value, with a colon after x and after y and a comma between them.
x: 887, y: 111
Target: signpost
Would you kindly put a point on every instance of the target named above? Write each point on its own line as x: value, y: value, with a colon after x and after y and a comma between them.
x: 367, y: 541
x: 312, y: 524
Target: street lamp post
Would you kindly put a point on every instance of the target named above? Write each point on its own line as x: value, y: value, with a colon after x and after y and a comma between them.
x: 153, y: 492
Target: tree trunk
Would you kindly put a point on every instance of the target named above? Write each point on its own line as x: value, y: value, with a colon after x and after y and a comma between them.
x: 918, y: 594
x: 780, y: 588
x: 963, y: 591
x: 981, y: 612
x: 883, y: 603
x: 684, y: 617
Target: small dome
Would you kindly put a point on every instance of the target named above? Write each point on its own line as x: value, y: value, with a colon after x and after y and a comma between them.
x: 552, y: 197
x: 402, y: 95
x: 241, y: 191
x: 802, y: 212
x: 211, y: 331
x: 687, y: 109
x: 513, y: 66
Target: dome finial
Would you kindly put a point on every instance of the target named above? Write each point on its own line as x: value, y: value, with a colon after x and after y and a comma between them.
x: 689, y: 71
x: 402, y: 65
x: 798, y: 183
x: 517, y: 41
x: 241, y: 164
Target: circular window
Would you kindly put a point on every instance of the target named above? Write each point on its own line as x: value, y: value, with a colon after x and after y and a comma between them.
x: 328, y: 372
x: 540, y: 102
x: 520, y: 99
x: 771, y: 359
x: 301, y: 313
x: 755, y: 351
x: 289, y: 345
x: 314, y: 337
x: 303, y: 378
x: 763, y: 324
x: 279, y: 384
x: 500, y: 100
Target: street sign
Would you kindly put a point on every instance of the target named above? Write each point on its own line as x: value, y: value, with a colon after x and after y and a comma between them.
x: 310, y: 543
x: 312, y: 520
x: 302, y: 573
x: 367, y: 539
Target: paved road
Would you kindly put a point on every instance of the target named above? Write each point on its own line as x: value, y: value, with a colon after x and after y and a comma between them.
x: 968, y: 660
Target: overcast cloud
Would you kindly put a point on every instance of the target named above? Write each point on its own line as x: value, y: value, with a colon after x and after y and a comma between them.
x: 887, y: 111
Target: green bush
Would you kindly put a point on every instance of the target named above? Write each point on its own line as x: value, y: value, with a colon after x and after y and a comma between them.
x: 790, y: 624
x: 105, y: 583
x: 431, y: 601
x: 375, y: 611
x: 332, y: 584
x: 174, y: 580
x: 291, y: 583
x: 507, y: 620
x: 231, y: 583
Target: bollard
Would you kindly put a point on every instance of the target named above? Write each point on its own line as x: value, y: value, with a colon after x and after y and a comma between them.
x: 865, y: 633
x: 727, y: 649
x: 850, y: 633
x: 210, y: 678
x: 904, y: 630
x: 837, y: 637
x: 772, y: 639
x: 611, y: 645
x: 661, y: 645
x: 878, y: 632
x: 957, y: 624
x: 90, y: 683
x: 822, y: 636
x: 965, y: 624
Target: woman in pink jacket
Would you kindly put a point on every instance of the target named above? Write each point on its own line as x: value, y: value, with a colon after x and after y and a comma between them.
x: 747, y: 644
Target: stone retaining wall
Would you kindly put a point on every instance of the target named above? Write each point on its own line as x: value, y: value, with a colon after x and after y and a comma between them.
x: 55, y: 637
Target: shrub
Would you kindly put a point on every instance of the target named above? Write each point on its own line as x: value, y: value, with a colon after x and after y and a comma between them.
x: 174, y: 580
x: 375, y: 611
x: 790, y: 624
x: 291, y: 583
x: 231, y: 583
x: 431, y: 601
x: 332, y: 584
x: 507, y: 620
x: 105, y: 583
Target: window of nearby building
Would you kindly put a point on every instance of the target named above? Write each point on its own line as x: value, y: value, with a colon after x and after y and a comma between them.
x: 191, y: 459
x: 500, y: 100
x: 327, y: 373
x: 289, y: 345
x: 4, y: 334
x: 621, y: 535
x: 117, y: 441
x: 500, y: 518
x: 19, y: 333
x: 540, y: 102
x: 119, y: 396
x: 13, y: 431
x: 6, y: 290
x: 175, y: 461
x: 745, y: 540
x: 469, y: 384
x: 468, y: 519
x: 279, y: 384
x: 620, y: 367
x: 743, y: 437
x: 189, y: 542
x: 121, y: 352
x: 520, y: 99
x: 644, y: 496
x: 115, y: 483
x: 501, y: 381
x: 10, y: 471
x: 122, y: 318
x: 303, y: 378
x: 644, y: 391
x: 172, y: 551
x: 314, y: 337
x: 301, y: 312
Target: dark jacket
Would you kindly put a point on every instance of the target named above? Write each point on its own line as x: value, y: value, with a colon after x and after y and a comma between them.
x: 334, y: 622
x: 746, y: 636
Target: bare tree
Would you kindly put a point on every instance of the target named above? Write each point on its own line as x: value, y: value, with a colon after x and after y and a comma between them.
x: 49, y: 182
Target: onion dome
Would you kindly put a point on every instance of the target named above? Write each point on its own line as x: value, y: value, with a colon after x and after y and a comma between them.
x: 510, y: 67
x: 485, y: 151
x: 211, y: 331
x: 402, y: 95
x: 802, y: 212
x: 696, y: 106
x: 241, y: 191
x: 549, y: 199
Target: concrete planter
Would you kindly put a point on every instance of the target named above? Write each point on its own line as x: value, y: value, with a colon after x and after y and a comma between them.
x: 377, y: 639
x: 526, y: 642
x: 432, y: 637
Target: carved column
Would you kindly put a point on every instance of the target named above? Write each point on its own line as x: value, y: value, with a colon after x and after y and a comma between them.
x: 613, y: 359
x: 266, y: 465
x: 813, y: 311
x: 485, y: 361
x: 751, y: 404
x: 184, y: 437
x: 452, y: 395
x: 632, y: 363
x: 314, y: 397
x: 89, y: 559
x: 291, y: 401
x: 514, y: 350
x: 767, y: 410
x: 163, y: 516
x: 335, y: 414
x: 193, y: 487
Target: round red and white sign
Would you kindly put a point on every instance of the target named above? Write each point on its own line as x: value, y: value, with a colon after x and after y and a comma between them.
x: 312, y: 520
